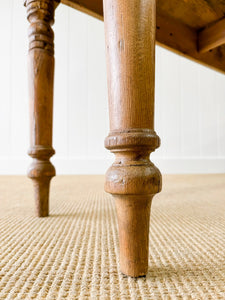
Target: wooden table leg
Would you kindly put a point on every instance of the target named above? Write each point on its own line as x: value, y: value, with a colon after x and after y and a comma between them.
x: 41, y: 76
x: 132, y: 179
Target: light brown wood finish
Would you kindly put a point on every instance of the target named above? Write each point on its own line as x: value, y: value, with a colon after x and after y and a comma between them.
x: 212, y: 36
x: 93, y: 8
x: 183, y: 40
x: 132, y: 179
x: 196, y: 14
x: 41, y: 76
x: 178, y: 23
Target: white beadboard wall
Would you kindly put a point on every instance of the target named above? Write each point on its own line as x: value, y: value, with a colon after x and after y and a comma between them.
x: 190, y: 101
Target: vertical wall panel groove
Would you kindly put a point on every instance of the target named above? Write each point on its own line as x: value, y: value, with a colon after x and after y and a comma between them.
x: 60, y: 127
x: 190, y: 143
x: 208, y: 122
x: 19, y: 82
x: 6, y: 22
x: 77, y: 87
x: 220, y: 89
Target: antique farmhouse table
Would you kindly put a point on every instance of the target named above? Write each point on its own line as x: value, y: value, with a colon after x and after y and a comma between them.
x: 193, y: 28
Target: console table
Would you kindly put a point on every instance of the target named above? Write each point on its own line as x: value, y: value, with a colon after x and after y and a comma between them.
x: 192, y: 28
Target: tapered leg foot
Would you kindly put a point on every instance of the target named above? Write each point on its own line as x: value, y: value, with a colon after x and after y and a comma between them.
x: 40, y: 14
x: 41, y: 194
x: 41, y: 172
x: 133, y: 219
x: 133, y: 179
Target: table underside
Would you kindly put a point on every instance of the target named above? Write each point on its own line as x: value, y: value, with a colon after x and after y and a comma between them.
x: 192, y: 28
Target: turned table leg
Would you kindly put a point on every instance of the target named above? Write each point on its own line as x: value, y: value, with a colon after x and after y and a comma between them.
x: 41, y: 76
x: 132, y: 179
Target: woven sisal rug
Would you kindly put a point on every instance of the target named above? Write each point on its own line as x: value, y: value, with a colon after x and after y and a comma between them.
x: 73, y: 254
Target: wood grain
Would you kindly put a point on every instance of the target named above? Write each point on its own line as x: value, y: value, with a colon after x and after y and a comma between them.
x: 183, y: 40
x: 132, y: 179
x: 178, y: 24
x: 192, y: 13
x: 41, y: 77
x: 90, y: 7
x: 212, y: 36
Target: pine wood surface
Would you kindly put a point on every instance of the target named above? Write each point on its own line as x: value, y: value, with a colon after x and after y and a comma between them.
x: 179, y: 24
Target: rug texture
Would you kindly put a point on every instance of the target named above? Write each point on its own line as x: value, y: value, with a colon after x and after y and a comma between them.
x: 74, y: 253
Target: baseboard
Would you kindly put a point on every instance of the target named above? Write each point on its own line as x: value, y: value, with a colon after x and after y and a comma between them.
x: 82, y: 165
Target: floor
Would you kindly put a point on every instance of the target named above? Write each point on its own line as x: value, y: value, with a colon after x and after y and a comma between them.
x: 73, y: 254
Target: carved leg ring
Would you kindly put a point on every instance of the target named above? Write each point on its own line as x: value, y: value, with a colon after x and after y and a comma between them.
x: 133, y: 180
x: 41, y: 76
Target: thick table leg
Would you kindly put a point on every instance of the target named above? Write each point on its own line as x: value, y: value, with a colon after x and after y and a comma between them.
x: 41, y: 77
x: 132, y: 179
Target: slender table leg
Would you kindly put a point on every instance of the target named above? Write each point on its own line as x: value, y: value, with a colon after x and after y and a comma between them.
x: 132, y: 179
x: 41, y: 76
